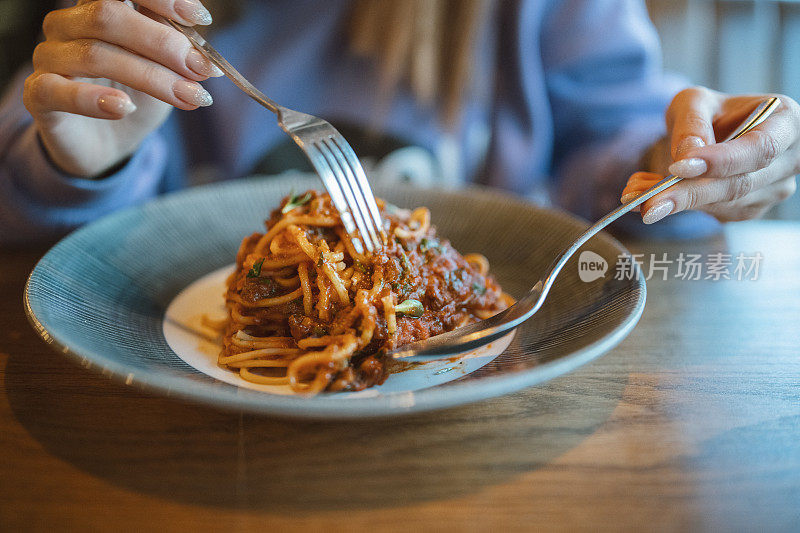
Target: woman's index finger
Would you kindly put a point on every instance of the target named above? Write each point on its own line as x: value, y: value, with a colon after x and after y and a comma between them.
x: 187, y: 12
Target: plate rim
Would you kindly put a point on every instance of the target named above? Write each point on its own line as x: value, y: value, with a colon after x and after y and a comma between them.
x: 424, y: 400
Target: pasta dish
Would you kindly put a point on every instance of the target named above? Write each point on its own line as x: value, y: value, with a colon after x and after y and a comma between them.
x: 306, y: 309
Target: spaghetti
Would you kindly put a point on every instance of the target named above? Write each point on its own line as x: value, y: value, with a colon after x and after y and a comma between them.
x: 305, y: 309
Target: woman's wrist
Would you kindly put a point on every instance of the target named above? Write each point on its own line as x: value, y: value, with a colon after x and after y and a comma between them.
x: 109, y: 170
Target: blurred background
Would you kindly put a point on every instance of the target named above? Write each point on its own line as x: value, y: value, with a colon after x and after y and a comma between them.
x: 736, y: 46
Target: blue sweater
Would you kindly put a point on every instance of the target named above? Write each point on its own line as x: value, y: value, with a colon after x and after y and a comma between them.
x: 567, y: 95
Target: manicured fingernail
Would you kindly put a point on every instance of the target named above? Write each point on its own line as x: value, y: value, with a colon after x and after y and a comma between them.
x: 658, y: 211
x: 688, y: 143
x: 192, y: 93
x: 116, y: 104
x: 193, y: 11
x: 628, y: 197
x: 689, y: 168
x: 198, y: 63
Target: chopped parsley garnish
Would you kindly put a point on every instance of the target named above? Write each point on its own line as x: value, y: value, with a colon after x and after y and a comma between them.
x: 479, y: 289
x: 399, y: 241
x: 410, y: 307
x: 427, y: 245
x: 405, y: 262
x: 255, y: 270
x: 296, y: 201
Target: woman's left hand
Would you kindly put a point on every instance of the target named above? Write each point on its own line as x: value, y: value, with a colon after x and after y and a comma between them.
x: 736, y: 180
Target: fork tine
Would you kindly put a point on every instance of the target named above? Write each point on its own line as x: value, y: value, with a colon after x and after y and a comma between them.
x: 344, y: 185
x: 320, y: 164
x: 361, y: 179
x: 358, y: 194
x: 333, y: 159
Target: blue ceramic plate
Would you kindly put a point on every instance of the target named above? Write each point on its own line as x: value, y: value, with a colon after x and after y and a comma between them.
x: 119, y: 296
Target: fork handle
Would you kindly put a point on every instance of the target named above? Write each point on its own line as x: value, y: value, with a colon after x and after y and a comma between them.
x: 759, y: 115
x: 199, y: 42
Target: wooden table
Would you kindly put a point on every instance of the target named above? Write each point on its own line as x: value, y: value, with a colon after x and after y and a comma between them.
x: 692, y: 422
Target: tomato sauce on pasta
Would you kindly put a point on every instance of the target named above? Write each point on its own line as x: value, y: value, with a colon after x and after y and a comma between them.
x: 307, y: 310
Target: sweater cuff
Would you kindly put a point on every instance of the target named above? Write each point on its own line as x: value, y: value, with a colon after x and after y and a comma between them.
x: 34, y: 175
x: 37, y: 200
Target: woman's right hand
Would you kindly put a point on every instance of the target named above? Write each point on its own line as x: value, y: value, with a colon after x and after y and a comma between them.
x: 103, y: 59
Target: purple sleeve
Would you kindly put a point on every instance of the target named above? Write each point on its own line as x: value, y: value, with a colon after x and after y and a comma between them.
x: 38, y: 201
x: 608, y: 94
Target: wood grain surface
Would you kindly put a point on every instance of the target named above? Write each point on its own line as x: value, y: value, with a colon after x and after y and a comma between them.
x: 693, y: 422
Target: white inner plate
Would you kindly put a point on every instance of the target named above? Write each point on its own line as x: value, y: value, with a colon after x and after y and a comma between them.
x: 197, y: 345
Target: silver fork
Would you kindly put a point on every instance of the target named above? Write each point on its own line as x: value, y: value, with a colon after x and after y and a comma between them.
x: 485, y: 331
x: 329, y: 153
